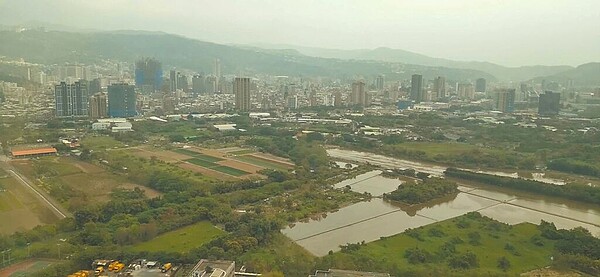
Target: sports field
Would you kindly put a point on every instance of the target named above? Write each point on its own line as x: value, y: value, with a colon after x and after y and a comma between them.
x: 25, y: 268
x: 181, y: 240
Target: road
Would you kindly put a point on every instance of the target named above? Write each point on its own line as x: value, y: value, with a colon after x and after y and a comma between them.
x: 41, y: 195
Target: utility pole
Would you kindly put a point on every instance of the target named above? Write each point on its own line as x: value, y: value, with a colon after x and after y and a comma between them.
x: 58, y: 245
x: 28, y: 249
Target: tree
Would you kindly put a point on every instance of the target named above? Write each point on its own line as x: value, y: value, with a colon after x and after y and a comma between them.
x: 503, y: 263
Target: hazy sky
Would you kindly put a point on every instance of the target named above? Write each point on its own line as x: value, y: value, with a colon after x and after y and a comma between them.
x: 507, y: 32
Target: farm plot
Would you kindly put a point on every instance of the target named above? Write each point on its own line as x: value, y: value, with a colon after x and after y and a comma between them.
x: 262, y: 162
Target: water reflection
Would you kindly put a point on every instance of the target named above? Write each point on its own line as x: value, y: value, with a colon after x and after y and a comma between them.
x: 368, y: 221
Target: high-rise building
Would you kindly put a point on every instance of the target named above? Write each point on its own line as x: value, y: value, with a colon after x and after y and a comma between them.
x: 148, y: 75
x: 71, y: 99
x: 198, y: 84
x: 121, y: 100
x: 466, y: 91
x: 98, y: 106
x: 241, y: 89
x: 480, y: 85
x: 379, y: 82
x: 416, y: 88
x: 337, y: 99
x: 359, y: 95
x: 439, y: 87
x: 549, y: 103
x: 173, y: 80
x: 95, y: 86
x: 505, y: 100
x: 182, y: 82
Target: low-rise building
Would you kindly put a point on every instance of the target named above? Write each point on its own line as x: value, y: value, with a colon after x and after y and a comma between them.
x: 210, y: 268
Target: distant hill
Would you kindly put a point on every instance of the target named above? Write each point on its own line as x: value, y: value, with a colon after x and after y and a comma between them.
x: 584, y: 75
x: 56, y: 47
x: 397, y: 55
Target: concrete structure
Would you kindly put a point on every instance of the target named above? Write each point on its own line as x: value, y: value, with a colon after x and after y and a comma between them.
x: 380, y: 82
x: 416, y: 88
x: 173, y: 80
x: 466, y: 91
x: 549, y: 103
x: 359, y: 95
x: 218, y: 268
x: 480, y: 85
x: 148, y: 75
x: 121, y: 100
x: 98, y: 106
x: 241, y: 89
x: 439, y: 88
x: 71, y: 100
x: 505, y: 100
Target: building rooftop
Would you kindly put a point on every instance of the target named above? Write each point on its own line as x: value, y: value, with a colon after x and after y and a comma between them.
x: 36, y: 151
x: 213, y: 268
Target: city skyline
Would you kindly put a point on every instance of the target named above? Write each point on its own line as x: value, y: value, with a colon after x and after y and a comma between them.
x: 509, y: 33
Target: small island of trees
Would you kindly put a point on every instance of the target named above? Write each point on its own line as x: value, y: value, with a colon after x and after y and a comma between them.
x: 419, y: 193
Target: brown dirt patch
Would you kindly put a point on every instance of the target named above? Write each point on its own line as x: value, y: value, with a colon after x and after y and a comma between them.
x: 163, y: 155
x: 548, y: 272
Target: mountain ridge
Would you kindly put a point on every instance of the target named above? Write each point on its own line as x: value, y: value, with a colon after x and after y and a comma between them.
x: 520, y: 73
x: 55, y: 47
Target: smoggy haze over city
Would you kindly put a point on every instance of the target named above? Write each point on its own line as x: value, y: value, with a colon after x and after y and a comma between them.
x: 506, y: 32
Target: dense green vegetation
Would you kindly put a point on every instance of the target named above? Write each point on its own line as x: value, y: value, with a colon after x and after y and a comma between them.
x: 470, y: 245
x: 181, y: 240
x: 419, y: 193
x: 575, y: 192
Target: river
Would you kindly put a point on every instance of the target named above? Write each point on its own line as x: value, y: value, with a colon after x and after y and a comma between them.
x: 369, y: 220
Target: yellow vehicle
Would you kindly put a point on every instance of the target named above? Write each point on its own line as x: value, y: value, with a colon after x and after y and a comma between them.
x: 118, y: 267
x: 99, y: 270
x: 166, y: 267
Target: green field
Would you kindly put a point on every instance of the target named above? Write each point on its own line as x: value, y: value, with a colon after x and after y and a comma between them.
x: 220, y: 168
x: 181, y: 240
x: 198, y: 155
x: 230, y: 170
x: 496, y: 240
x: 202, y: 163
x: 55, y: 166
x: 101, y: 143
x: 36, y: 266
x: 262, y: 162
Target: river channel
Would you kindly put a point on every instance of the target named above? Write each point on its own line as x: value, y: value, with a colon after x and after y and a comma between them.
x: 369, y: 220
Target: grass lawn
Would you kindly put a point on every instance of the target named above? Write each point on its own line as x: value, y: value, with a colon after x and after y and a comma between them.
x: 262, y: 162
x: 181, y: 240
x: 101, y: 143
x: 230, y: 170
x: 58, y: 166
x: 198, y: 155
x: 522, y: 253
